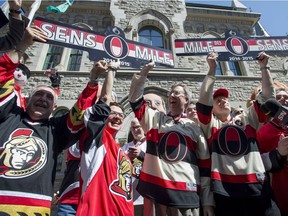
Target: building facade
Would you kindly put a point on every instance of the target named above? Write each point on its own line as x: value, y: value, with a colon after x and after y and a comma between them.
x: 159, y: 23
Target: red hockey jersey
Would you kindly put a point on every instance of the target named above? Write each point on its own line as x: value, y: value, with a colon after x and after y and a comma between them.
x: 106, y: 171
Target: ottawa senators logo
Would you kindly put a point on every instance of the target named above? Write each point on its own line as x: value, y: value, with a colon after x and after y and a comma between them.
x: 123, y: 185
x: 137, y: 166
x: 22, y: 155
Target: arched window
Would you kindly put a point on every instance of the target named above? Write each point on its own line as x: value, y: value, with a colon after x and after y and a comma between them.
x: 152, y: 36
x: 53, y: 57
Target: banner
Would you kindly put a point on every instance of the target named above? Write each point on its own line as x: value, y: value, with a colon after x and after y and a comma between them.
x: 108, y: 46
x: 231, y: 48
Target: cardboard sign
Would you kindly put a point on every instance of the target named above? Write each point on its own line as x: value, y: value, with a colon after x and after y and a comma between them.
x: 108, y: 46
x: 231, y: 48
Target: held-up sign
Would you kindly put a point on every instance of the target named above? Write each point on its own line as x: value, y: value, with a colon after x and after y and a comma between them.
x: 108, y: 46
x: 231, y: 48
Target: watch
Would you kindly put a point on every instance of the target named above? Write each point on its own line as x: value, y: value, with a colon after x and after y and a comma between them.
x: 15, y: 11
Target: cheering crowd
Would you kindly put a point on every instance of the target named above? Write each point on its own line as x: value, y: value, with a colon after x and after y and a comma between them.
x: 193, y: 158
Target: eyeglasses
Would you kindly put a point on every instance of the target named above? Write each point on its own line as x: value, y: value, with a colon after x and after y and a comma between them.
x: 176, y: 93
x: 120, y: 115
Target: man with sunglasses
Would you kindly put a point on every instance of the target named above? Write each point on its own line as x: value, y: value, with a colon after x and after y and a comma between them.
x: 176, y: 152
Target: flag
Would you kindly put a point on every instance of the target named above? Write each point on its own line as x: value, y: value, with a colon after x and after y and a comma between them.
x: 61, y: 8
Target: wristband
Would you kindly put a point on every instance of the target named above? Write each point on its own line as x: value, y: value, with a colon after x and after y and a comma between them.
x: 265, y: 68
x: 15, y: 11
x: 114, y: 69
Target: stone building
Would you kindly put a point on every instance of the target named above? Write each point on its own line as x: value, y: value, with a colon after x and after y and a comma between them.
x: 161, y: 21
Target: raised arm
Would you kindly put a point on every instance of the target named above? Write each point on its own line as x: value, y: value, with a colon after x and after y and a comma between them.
x: 10, y: 60
x: 106, y: 93
x: 17, y: 25
x: 138, y: 82
x: 267, y: 82
x: 32, y: 34
x: 208, y: 82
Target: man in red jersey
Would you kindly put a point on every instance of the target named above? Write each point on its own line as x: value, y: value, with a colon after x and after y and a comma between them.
x: 268, y: 137
x: 106, y: 171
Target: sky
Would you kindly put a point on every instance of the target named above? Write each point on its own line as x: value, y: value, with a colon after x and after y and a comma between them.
x: 274, y: 14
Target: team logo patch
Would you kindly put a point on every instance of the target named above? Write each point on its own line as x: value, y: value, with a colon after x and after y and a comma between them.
x: 22, y: 155
x: 137, y: 167
x: 232, y: 141
x: 122, y: 186
x: 172, y: 147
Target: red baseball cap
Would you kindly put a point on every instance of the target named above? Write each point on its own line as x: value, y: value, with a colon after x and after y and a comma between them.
x: 221, y: 91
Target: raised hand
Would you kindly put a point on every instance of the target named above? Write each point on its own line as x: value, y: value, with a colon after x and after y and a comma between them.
x: 114, y: 65
x: 148, y: 67
x: 212, y: 62
x: 283, y: 145
x: 32, y: 34
x: 262, y: 58
x: 134, y: 152
x: 98, y: 68
x: 15, y: 4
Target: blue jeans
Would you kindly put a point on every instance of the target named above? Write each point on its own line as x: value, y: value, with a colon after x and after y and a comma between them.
x: 66, y: 210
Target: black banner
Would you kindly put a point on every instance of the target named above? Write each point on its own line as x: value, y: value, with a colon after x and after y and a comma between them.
x: 231, y: 48
x: 108, y: 46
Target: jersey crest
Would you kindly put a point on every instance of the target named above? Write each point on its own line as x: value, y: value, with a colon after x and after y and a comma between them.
x: 122, y: 186
x: 22, y: 155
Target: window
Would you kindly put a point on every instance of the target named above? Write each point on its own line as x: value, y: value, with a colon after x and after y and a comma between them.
x: 152, y: 36
x: 75, y: 60
x: 219, y: 70
x: 225, y: 68
x: 53, y: 57
x: 235, y: 68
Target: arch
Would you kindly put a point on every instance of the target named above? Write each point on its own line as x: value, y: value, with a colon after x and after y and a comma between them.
x: 158, y: 19
x: 151, y: 17
x: 83, y: 25
x: 124, y: 132
x: 210, y: 34
x: 149, y: 89
x: 78, y: 19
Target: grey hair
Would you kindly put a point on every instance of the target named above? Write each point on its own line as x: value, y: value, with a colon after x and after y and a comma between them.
x: 188, y: 93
